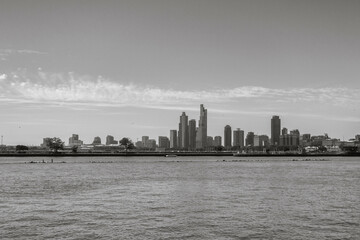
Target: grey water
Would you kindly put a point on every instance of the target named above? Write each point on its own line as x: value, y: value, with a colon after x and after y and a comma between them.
x: 180, y: 198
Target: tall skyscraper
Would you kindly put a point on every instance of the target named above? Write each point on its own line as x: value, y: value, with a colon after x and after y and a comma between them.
x: 250, y: 139
x: 275, y: 130
x: 192, y: 134
x: 173, y: 139
x: 227, y: 137
x: 201, y: 135
x: 183, y: 132
x: 238, y: 140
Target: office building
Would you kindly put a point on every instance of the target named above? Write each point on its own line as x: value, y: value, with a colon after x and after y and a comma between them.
x: 275, y: 130
x: 74, y: 141
x: 97, y: 141
x: 164, y: 142
x: 238, y: 138
x: 183, y: 135
x: 209, y: 141
x: 173, y: 139
x: 110, y: 140
x: 192, y: 134
x: 227, y: 137
x: 249, y: 139
x: 217, y: 141
x: 201, y: 135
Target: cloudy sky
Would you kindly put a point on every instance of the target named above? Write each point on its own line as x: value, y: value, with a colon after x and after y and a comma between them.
x: 130, y: 68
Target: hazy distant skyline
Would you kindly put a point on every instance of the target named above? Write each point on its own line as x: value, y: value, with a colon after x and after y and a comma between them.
x: 130, y: 68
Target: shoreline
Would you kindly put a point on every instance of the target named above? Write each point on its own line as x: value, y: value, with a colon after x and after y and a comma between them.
x: 172, y: 154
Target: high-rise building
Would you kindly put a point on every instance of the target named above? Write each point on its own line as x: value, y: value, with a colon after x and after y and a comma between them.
x: 144, y: 140
x: 261, y: 140
x: 164, y: 142
x: 284, y: 131
x: 173, y: 139
x: 209, y: 141
x: 192, y: 134
x: 74, y: 140
x: 183, y: 132
x: 201, y: 135
x: 249, y: 139
x: 110, y: 140
x: 151, y: 143
x: 275, y: 130
x: 238, y: 138
x: 227, y: 137
x: 217, y: 141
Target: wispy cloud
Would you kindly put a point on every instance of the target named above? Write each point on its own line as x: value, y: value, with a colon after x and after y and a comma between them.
x: 74, y: 89
x: 5, y: 53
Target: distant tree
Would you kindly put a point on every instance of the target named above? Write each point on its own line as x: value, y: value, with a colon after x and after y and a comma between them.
x: 21, y: 148
x: 55, y: 144
x: 219, y: 148
x: 127, y: 143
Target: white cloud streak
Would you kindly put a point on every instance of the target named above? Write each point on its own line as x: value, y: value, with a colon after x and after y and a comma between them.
x: 70, y: 88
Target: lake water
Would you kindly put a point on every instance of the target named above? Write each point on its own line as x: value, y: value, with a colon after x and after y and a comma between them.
x: 180, y: 198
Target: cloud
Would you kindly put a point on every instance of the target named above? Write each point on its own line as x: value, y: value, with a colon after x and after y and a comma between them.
x: 4, y: 53
x: 73, y: 89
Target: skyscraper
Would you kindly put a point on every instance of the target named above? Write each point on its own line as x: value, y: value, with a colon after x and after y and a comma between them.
x: 238, y: 140
x: 275, y: 130
x: 227, y: 137
x: 201, y: 135
x: 173, y: 139
x: 183, y: 132
x: 192, y: 134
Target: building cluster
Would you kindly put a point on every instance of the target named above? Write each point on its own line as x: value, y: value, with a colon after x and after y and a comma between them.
x: 193, y: 137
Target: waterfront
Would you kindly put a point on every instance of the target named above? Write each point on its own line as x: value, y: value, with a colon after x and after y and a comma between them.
x: 177, y: 198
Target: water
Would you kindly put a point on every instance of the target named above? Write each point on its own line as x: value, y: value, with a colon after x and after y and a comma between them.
x: 180, y: 198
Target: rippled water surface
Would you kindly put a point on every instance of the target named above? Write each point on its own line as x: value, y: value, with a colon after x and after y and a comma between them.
x: 179, y: 198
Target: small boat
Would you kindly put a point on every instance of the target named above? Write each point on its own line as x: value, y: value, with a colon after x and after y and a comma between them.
x: 170, y: 155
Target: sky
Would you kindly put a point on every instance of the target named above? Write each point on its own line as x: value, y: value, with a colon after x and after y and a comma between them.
x: 129, y: 68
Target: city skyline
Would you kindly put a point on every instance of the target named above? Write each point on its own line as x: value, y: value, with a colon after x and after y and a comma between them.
x: 127, y: 68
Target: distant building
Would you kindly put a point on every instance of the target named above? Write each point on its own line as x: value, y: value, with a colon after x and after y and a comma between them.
x: 144, y: 140
x: 261, y: 141
x: 275, y: 130
x: 192, y: 134
x: 74, y: 141
x: 305, y: 139
x: 227, y: 137
x: 238, y: 138
x: 201, y: 134
x: 249, y: 139
x: 183, y: 135
x: 357, y: 138
x: 210, y: 141
x: 45, y: 142
x: 290, y: 140
x: 284, y: 131
x: 164, y: 142
x: 217, y: 141
x: 110, y: 140
x: 173, y: 139
x: 97, y: 141
x: 151, y: 144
